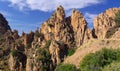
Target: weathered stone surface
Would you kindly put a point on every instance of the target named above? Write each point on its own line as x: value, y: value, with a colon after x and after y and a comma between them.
x: 104, y: 21
x: 17, y: 63
x: 58, y: 52
x: 80, y: 28
x: 57, y: 28
x: 70, y: 30
x: 28, y: 38
x: 15, y: 34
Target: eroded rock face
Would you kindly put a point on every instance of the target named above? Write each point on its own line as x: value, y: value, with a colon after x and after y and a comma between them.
x: 70, y: 30
x: 28, y: 38
x: 15, y: 34
x: 80, y: 28
x: 58, y: 52
x: 57, y: 28
x: 17, y: 63
x: 4, y: 27
x: 104, y: 21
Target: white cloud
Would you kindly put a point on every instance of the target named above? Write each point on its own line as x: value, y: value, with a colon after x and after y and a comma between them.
x: 68, y: 13
x: 89, y: 17
x: 50, y: 5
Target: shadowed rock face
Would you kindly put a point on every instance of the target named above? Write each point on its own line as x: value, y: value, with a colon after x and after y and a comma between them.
x: 4, y: 27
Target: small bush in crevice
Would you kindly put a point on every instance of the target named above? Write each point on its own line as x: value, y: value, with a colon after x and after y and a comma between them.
x: 111, y: 31
x: 70, y: 52
x: 45, y: 58
x: 14, y: 53
x: 117, y: 19
x: 48, y: 44
x: 37, y: 34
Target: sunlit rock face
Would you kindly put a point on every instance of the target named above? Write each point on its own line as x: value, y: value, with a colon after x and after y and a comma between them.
x: 72, y: 30
x: 104, y: 21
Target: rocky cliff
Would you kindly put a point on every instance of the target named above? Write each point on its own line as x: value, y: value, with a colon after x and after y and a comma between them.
x: 104, y: 22
x: 72, y: 31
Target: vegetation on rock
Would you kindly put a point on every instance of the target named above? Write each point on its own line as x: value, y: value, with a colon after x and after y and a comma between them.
x: 112, y: 30
x: 14, y: 53
x: 115, y: 66
x: 117, y: 19
x: 66, y: 67
x: 44, y: 58
x: 70, y: 52
x: 37, y: 34
x: 48, y: 44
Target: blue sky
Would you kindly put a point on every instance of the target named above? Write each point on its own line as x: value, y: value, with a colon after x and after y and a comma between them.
x: 27, y: 15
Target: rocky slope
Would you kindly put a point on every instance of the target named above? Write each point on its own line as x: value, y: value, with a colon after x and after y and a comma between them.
x: 91, y: 47
x: 47, y: 47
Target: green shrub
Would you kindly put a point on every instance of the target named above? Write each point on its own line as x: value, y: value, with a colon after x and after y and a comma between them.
x: 117, y: 19
x: 14, y: 53
x: 115, y: 66
x: 70, y: 52
x: 111, y: 31
x: 45, y: 58
x: 37, y: 34
x: 96, y: 61
x: 66, y: 67
x: 48, y: 44
x: 43, y: 54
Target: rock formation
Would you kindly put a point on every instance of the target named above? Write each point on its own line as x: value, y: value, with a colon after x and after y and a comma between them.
x: 56, y: 28
x: 70, y: 30
x: 17, y: 62
x: 4, y: 27
x: 104, y: 21
x: 80, y: 28
x: 28, y: 38
x: 58, y: 51
x: 48, y: 47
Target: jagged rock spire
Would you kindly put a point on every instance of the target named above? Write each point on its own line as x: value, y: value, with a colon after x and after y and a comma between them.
x: 60, y: 13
